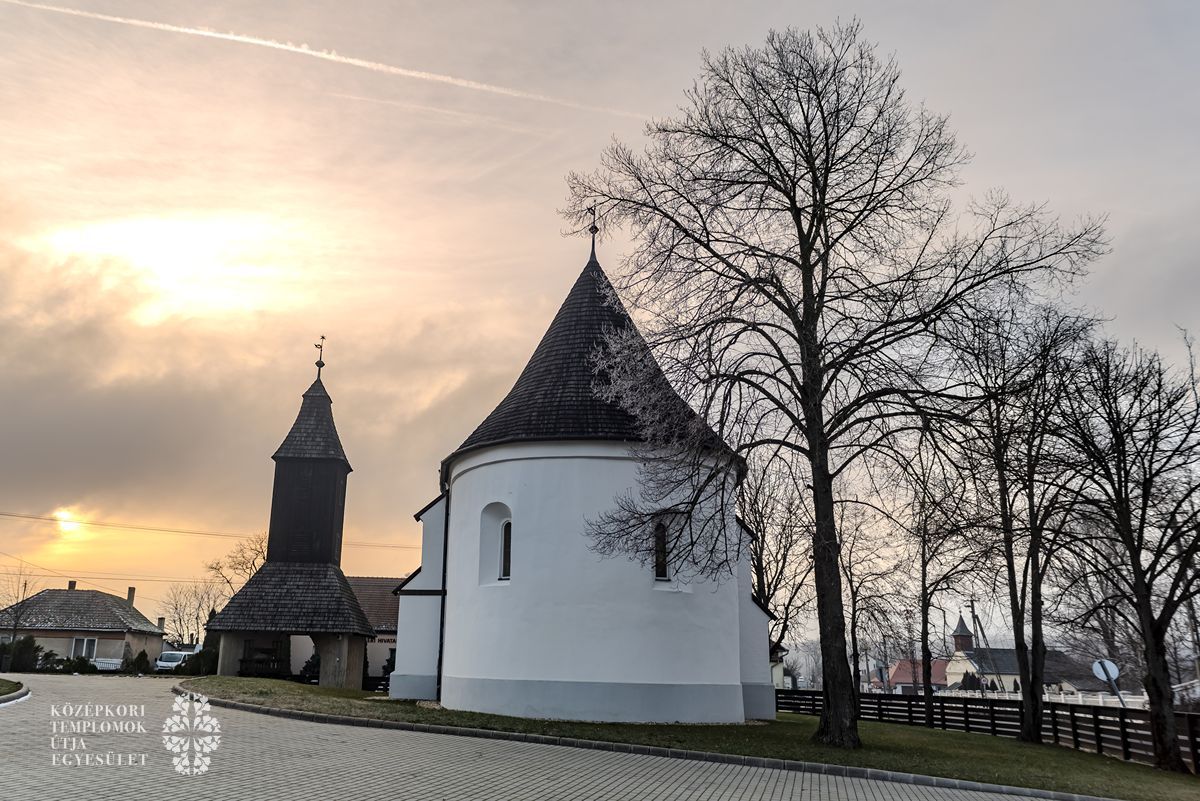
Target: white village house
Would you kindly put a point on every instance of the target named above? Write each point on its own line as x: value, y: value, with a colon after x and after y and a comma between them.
x: 512, y: 612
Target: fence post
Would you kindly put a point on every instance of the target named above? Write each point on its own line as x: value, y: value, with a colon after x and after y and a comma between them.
x: 992, y: 716
x: 941, y: 702
x: 1074, y: 727
x: 1096, y: 729
x: 1054, y: 722
x: 1193, y: 723
x: 966, y: 716
x: 1122, y: 719
x: 909, y: 699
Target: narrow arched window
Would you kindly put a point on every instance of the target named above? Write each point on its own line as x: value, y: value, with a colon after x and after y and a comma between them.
x: 505, y: 550
x: 660, y: 552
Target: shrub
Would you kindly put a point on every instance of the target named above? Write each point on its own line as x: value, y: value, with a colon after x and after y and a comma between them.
x: 141, y: 662
x: 78, y: 664
x: 203, y: 663
x: 25, y: 654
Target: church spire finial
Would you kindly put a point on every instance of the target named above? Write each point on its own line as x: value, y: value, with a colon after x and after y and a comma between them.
x: 320, y: 346
x: 593, y: 229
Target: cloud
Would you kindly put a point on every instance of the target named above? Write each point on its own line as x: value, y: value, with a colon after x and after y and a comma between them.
x: 174, y: 423
x: 328, y: 55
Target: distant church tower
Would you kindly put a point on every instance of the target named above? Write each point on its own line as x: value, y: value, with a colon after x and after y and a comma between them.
x: 300, y: 589
x: 964, y: 639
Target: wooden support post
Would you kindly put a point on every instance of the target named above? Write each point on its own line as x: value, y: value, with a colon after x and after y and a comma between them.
x: 1123, y: 720
x: 992, y: 716
x: 941, y: 702
x: 1096, y: 730
x: 1193, y: 733
x: 910, y: 699
x: 1074, y: 727
x: 966, y: 716
x: 1054, y: 721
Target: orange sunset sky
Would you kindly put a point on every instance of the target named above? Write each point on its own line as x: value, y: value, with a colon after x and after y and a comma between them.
x: 192, y: 193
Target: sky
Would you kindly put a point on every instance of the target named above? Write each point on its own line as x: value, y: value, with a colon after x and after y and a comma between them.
x: 192, y: 193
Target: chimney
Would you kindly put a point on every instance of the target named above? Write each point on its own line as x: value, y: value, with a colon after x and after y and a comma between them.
x: 129, y: 597
x: 162, y: 623
x: 71, y: 584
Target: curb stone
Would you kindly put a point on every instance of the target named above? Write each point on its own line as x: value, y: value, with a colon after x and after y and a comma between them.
x: 13, y: 697
x: 846, y: 771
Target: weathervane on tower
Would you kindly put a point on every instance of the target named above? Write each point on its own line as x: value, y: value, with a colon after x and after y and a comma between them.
x: 593, y: 229
x: 320, y: 346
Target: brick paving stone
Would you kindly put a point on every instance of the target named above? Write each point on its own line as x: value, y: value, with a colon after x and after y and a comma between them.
x: 262, y: 758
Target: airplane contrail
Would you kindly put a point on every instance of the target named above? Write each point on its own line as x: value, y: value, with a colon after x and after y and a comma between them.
x: 327, y: 55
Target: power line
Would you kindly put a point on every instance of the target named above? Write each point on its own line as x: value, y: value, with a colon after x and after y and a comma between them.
x: 64, y: 575
x: 181, y: 531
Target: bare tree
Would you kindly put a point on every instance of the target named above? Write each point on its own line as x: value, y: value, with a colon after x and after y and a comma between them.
x: 236, y: 567
x: 771, y: 503
x: 1018, y: 357
x: 186, y: 608
x: 1134, y: 424
x: 939, y: 525
x: 17, y: 586
x: 796, y: 256
x: 869, y: 567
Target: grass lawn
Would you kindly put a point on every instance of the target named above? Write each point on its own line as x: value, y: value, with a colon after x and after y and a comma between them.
x: 7, y: 686
x: 911, y: 749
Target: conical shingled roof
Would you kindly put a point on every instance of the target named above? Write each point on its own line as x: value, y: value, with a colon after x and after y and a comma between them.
x: 961, y: 629
x: 313, y: 435
x: 553, y: 398
x: 295, y: 597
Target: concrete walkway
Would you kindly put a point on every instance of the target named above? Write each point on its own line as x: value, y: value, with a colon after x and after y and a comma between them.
x: 100, y: 737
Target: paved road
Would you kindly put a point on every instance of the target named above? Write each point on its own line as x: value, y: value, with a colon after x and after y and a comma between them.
x: 263, y: 758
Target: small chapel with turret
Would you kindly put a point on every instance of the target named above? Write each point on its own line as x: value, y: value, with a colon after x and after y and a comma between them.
x: 512, y: 612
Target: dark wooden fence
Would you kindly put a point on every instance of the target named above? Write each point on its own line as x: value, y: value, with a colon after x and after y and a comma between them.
x: 1114, y: 731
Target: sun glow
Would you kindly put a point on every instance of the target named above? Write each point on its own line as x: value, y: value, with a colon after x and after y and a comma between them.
x: 66, y: 521
x: 198, y: 264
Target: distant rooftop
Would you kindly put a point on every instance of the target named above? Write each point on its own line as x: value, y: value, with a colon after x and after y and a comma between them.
x: 375, y: 596
x: 83, y: 610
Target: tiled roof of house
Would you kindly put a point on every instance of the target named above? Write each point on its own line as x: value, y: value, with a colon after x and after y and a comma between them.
x: 909, y: 671
x: 295, y: 597
x: 375, y: 596
x: 1060, y: 667
x: 313, y: 435
x: 554, y: 397
x: 88, y: 610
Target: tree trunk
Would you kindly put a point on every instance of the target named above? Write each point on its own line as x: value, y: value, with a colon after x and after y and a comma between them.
x: 926, y: 662
x: 854, y: 655
x: 839, y: 722
x: 1031, y: 690
x: 1163, y: 734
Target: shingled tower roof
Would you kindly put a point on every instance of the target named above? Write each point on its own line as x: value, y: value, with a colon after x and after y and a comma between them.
x: 313, y: 435
x: 295, y: 597
x: 553, y: 397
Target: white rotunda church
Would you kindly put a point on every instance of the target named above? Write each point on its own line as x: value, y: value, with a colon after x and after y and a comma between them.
x: 511, y: 612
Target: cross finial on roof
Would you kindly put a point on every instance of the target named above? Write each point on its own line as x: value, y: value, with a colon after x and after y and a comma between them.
x: 320, y: 346
x: 593, y: 229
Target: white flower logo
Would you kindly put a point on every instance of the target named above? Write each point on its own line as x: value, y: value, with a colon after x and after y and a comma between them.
x: 191, y: 734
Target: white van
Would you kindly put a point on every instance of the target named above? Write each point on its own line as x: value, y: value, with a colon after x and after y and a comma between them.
x: 169, y: 660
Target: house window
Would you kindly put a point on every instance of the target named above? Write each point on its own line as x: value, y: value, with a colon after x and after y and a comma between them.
x: 660, y: 552
x: 83, y: 646
x: 505, y: 550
